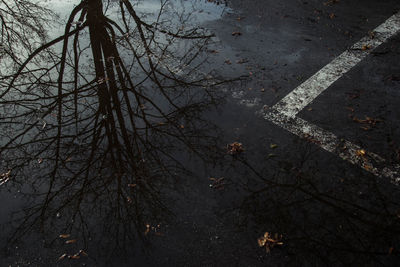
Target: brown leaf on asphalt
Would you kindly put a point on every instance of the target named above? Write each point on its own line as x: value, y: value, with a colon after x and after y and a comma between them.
x: 235, y: 148
x: 269, y: 242
x: 371, y: 122
x: 71, y: 241
x: 367, y: 167
x: 366, y: 47
x: 236, y: 33
x: 371, y: 34
x: 74, y: 257
x: 273, y: 146
x: 62, y: 256
x: 217, y: 183
x: 64, y: 235
x: 361, y: 153
x: 83, y: 253
x: 147, y: 229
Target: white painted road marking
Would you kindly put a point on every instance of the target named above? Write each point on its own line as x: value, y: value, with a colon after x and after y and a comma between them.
x: 344, y: 149
x: 284, y: 112
x: 303, y: 95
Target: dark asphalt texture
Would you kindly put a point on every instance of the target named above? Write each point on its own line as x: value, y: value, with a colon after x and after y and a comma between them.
x: 329, y: 212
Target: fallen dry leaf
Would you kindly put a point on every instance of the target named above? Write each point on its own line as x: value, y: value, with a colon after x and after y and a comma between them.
x: 64, y: 235
x: 361, y: 153
x: 367, y: 167
x: 235, y: 148
x: 217, y: 183
x: 83, y: 253
x: 269, y: 242
x: 147, y: 229
x: 366, y: 47
x: 273, y: 146
x: 74, y: 257
x: 62, y: 256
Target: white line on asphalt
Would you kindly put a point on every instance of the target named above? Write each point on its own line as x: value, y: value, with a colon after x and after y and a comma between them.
x: 284, y: 112
x: 303, y: 95
x: 344, y: 149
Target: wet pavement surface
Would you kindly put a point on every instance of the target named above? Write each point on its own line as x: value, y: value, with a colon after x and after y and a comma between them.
x: 160, y: 154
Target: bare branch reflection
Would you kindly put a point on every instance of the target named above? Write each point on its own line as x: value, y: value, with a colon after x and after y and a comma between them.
x: 97, y: 129
x: 345, y: 218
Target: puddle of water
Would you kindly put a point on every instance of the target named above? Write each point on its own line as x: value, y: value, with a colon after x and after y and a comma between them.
x: 188, y: 11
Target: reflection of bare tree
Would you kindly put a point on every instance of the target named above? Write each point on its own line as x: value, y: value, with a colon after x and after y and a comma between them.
x: 95, y: 129
x: 23, y: 26
x: 335, y: 221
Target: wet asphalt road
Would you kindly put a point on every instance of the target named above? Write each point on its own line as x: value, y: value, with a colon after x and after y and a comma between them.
x: 328, y: 211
